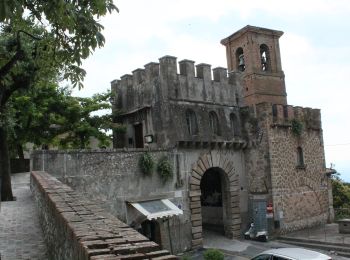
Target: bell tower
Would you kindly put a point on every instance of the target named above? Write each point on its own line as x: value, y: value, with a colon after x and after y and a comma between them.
x: 255, y: 52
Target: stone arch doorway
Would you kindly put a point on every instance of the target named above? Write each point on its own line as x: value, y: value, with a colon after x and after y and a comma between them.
x: 213, y: 200
x: 221, y: 164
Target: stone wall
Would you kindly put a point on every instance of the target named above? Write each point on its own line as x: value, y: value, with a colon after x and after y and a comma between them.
x: 161, y: 81
x: 76, y: 228
x: 299, y: 191
x: 111, y: 177
x: 114, y: 179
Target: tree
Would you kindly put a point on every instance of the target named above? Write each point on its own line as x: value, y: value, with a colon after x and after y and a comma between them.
x: 49, y: 115
x: 341, y: 194
x: 31, y: 115
x: 81, y: 120
x: 58, y: 35
x: 72, y: 30
x: 16, y: 73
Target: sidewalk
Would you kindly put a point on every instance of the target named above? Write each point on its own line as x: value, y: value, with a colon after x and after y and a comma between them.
x: 20, y: 233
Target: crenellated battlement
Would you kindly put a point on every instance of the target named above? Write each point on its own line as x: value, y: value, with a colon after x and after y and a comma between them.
x: 311, y: 118
x: 283, y: 115
x: 182, y: 80
x: 168, y: 65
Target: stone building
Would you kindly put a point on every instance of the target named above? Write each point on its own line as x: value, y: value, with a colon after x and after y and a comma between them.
x: 269, y: 153
x: 238, y: 151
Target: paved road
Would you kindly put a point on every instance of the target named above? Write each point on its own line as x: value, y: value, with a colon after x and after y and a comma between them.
x: 20, y: 234
x: 243, y: 250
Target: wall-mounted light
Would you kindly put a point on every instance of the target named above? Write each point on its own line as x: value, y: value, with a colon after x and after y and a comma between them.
x: 148, y: 139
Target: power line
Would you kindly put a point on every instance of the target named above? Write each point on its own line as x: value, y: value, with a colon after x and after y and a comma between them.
x: 337, y: 144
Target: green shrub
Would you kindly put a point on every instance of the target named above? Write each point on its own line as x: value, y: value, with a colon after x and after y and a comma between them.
x: 146, y: 163
x: 213, y: 254
x: 164, y: 168
x: 297, y: 127
x: 119, y: 129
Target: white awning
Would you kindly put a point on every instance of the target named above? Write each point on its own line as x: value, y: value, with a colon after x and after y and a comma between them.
x: 154, y: 209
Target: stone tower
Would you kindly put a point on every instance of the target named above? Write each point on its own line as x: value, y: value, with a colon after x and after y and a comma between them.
x: 255, y: 52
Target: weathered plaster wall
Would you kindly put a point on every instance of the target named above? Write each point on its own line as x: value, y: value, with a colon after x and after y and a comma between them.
x: 158, y: 97
x: 114, y: 177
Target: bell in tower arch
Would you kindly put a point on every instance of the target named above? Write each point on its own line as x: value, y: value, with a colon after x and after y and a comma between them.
x: 240, y: 59
x: 264, y: 55
x: 241, y: 64
x: 255, y: 51
x: 263, y: 61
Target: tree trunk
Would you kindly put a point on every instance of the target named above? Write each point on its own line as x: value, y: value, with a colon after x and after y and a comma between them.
x: 5, y: 171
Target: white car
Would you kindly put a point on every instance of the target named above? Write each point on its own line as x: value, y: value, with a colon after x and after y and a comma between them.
x: 291, y: 254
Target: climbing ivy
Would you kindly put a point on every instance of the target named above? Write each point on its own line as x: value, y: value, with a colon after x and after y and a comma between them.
x: 146, y: 163
x: 297, y: 127
x: 164, y: 169
x: 119, y: 128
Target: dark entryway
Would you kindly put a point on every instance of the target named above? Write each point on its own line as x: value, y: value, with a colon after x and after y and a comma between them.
x: 138, y: 136
x: 151, y: 229
x: 212, y: 186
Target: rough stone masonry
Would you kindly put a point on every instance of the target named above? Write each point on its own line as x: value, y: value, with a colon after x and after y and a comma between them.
x: 239, y: 152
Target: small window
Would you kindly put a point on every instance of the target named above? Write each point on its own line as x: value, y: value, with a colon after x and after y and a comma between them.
x: 191, y: 121
x: 285, y: 112
x: 234, y: 124
x: 300, y: 157
x: 274, y: 110
x: 237, y: 99
x: 214, y: 123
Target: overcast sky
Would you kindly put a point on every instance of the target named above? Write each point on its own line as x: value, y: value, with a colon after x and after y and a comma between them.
x: 315, y: 50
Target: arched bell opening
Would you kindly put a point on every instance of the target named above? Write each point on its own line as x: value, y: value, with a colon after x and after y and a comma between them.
x: 240, y: 61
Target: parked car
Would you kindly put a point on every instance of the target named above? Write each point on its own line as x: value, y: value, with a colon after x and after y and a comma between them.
x: 291, y: 254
